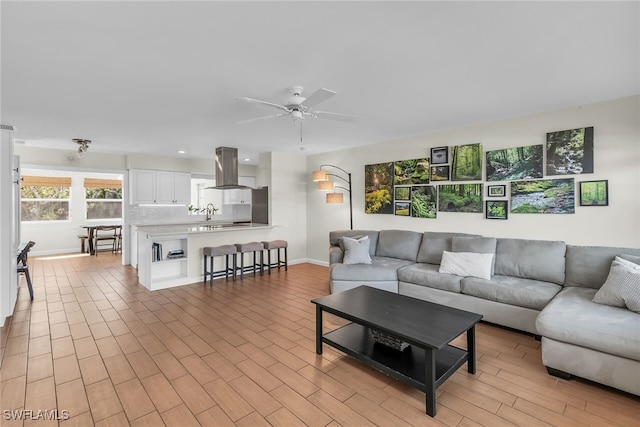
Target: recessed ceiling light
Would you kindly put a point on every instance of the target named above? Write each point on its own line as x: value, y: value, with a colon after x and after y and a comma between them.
x: 181, y: 152
x: 247, y: 159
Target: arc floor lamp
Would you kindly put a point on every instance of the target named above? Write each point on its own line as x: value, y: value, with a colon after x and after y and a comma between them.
x: 326, y: 184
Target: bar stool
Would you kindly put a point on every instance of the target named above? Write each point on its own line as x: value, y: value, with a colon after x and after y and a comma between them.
x: 276, y: 245
x: 214, y: 251
x: 254, y: 247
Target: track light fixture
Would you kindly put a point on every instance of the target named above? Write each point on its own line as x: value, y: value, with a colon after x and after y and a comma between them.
x: 83, y: 145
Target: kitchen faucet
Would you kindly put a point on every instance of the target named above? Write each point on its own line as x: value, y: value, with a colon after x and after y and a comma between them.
x: 210, y: 209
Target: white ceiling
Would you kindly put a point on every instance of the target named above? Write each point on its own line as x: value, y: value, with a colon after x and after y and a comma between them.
x: 158, y: 76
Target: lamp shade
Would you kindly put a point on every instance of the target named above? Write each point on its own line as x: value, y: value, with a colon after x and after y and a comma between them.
x: 326, y: 185
x: 335, y: 198
x: 320, y: 175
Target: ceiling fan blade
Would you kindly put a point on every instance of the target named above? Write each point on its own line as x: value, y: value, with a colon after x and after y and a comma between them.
x: 318, y: 96
x: 273, y: 116
x: 268, y: 104
x: 335, y: 116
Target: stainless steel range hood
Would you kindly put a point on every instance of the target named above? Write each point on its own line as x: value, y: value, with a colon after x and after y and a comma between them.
x: 227, y: 169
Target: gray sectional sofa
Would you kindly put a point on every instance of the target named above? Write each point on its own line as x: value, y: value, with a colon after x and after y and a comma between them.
x: 541, y: 287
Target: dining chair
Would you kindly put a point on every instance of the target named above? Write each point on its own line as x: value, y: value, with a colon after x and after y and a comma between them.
x: 105, y: 236
x: 119, y: 238
x: 24, y: 268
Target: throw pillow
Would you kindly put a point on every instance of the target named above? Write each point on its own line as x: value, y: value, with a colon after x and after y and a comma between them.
x: 634, y: 259
x: 356, y: 251
x: 467, y: 264
x: 622, y: 287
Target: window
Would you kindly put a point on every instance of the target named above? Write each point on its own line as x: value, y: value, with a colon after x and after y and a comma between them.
x: 45, y: 198
x: 103, y: 198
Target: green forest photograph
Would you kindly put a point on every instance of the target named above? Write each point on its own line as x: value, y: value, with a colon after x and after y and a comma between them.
x: 378, y: 188
x: 460, y: 198
x: 402, y: 193
x: 423, y: 202
x: 466, y: 163
x: 402, y: 208
x: 415, y: 171
x: 514, y: 163
x: 550, y: 196
x: 570, y: 151
x: 440, y: 173
x: 594, y: 193
x: 497, y: 209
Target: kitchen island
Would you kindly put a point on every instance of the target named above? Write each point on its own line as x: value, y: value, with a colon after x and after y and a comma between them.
x: 171, y: 255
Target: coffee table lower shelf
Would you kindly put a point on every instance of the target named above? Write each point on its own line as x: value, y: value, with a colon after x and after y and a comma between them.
x: 407, y: 366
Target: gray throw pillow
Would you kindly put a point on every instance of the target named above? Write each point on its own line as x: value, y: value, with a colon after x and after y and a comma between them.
x: 356, y: 251
x: 622, y: 288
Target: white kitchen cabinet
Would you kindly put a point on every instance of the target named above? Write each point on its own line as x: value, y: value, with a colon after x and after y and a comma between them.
x: 233, y: 197
x: 240, y: 196
x: 142, y: 186
x: 159, y: 187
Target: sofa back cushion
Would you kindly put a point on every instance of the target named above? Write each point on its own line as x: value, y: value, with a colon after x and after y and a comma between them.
x: 434, y: 243
x: 588, y: 266
x: 531, y: 259
x: 401, y: 244
x: 335, y: 238
x: 478, y: 245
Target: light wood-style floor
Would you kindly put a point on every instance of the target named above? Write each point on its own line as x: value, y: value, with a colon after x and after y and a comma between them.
x: 100, y: 346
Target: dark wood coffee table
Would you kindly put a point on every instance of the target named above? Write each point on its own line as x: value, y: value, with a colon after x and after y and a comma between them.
x: 427, y: 327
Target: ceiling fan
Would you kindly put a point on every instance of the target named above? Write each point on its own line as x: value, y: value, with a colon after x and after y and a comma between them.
x: 299, y: 107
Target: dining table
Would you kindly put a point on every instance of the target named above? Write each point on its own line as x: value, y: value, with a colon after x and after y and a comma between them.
x: 91, y: 233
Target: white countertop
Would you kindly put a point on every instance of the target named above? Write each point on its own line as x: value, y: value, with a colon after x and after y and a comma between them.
x: 159, y: 230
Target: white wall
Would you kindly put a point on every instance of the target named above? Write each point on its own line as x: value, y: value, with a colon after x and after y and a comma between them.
x: 287, y: 198
x: 616, y: 158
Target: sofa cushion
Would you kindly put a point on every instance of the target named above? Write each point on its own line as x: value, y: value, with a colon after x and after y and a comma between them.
x: 481, y: 245
x: 622, y: 287
x: 424, y: 274
x: 531, y: 259
x: 588, y: 266
x: 335, y: 238
x: 356, y: 251
x: 526, y: 293
x: 400, y: 244
x: 467, y: 264
x: 434, y: 243
x: 381, y: 268
x: 572, y: 317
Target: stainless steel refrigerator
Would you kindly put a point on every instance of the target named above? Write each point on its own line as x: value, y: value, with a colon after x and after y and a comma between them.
x: 260, y: 205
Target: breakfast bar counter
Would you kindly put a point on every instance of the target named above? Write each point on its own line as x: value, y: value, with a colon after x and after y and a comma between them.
x: 171, y: 255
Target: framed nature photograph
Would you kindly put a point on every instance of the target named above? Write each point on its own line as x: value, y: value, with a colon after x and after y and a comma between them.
x: 402, y: 193
x: 514, y: 163
x: 414, y: 171
x: 466, y: 163
x: 440, y: 173
x: 570, y: 151
x: 594, y: 193
x: 460, y: 198
x: 547, y: 196
x: 496, y: 190
x: 378, y: 188
x: 439, y: 155
x: 402, y: 208
x: 497, y: 209
x: 424, y: 201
